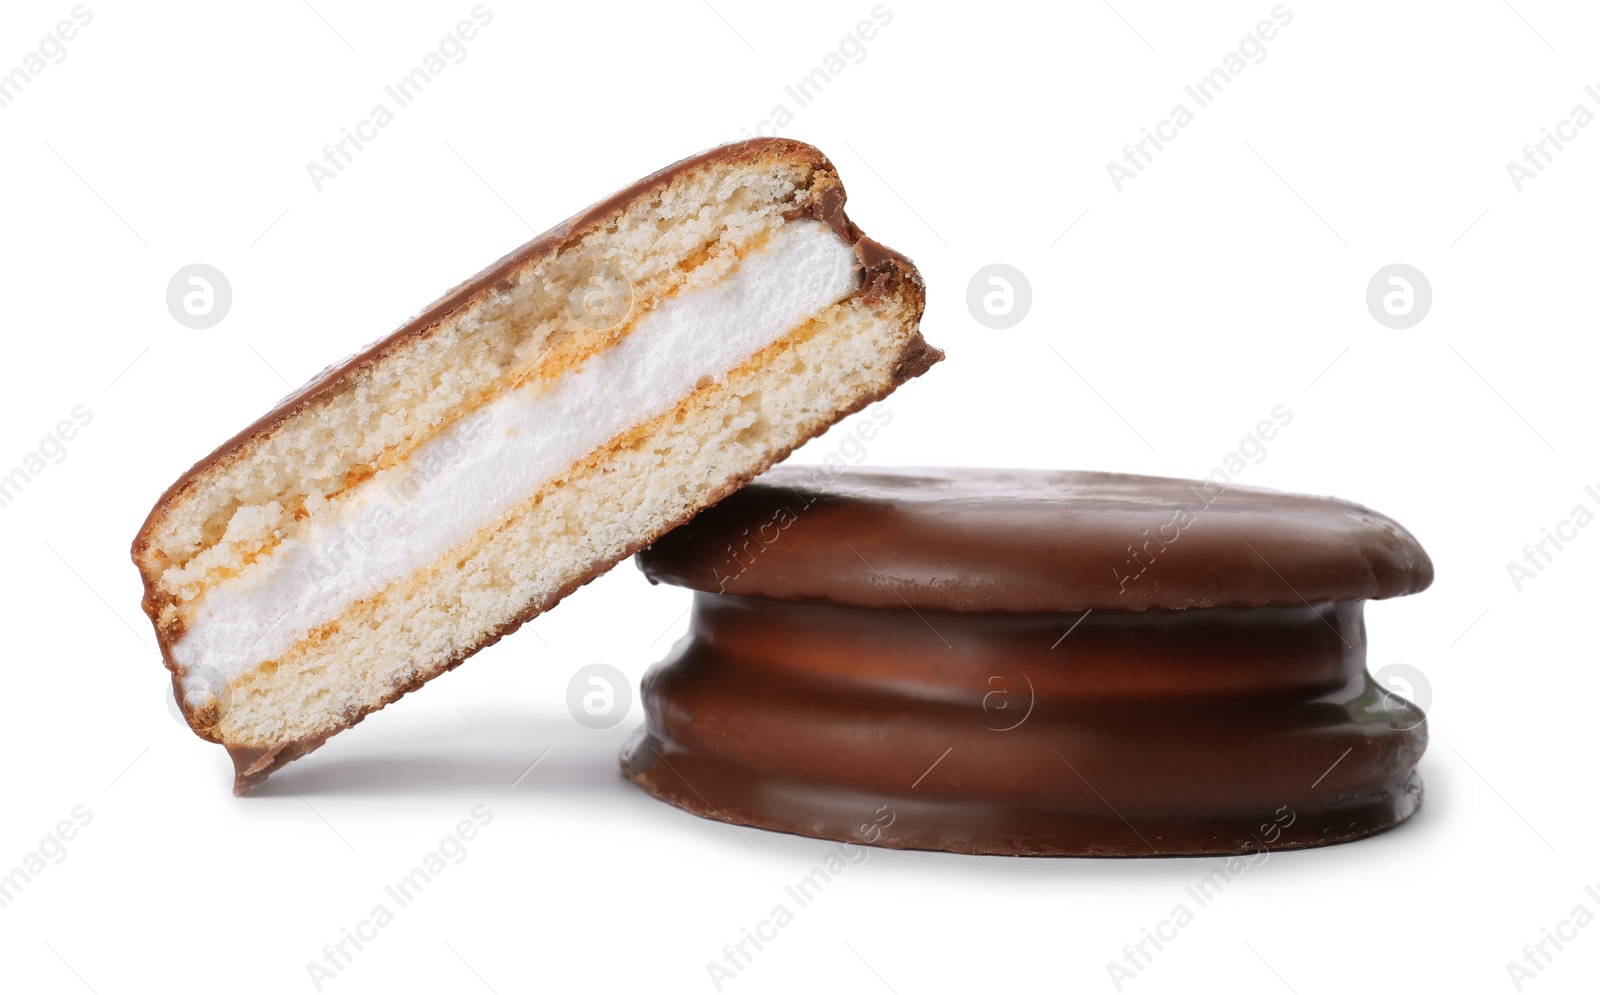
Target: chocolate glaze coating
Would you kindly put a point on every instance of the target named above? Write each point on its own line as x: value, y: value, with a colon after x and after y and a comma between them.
x: 1206, y: 731
x: 1034, y: 540
x: 939, y: 660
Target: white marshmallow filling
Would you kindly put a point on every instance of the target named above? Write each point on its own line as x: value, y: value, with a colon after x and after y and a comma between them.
x: 404, y: 519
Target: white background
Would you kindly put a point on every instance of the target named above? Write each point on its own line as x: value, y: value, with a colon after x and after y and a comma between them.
x: 1226, y: 279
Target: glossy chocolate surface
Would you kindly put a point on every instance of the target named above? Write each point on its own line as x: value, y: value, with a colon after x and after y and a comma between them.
x: 1034, y: 540
x: 1205, y: 731
x: 1032, y: 662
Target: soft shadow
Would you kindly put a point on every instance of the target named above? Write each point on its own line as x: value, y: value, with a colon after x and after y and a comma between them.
x: 664, y: 824
x: 486, y: 756
x: 490, y: 756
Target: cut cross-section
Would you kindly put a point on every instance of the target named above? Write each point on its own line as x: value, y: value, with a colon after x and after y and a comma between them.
x: 543, y: 421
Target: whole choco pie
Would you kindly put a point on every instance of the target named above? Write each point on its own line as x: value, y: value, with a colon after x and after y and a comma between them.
x: 1032, y: 662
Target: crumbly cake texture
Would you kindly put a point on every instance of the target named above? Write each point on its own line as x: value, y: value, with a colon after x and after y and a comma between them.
x: 563, y: 409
